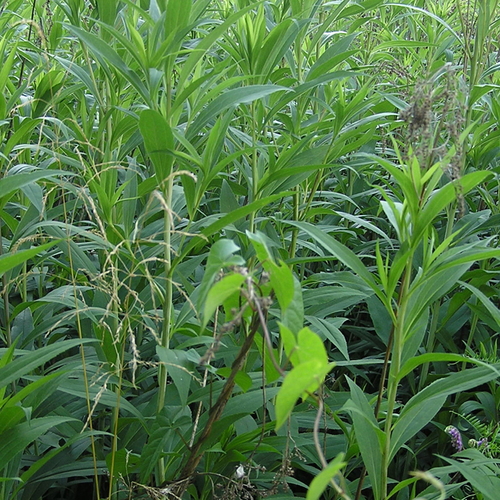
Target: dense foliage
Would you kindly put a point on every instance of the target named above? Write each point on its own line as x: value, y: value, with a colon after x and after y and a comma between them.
x: 249, y: 249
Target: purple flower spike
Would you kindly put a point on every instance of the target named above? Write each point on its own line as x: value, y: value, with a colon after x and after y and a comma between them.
x: 456, y: 438
x: 482, y: 442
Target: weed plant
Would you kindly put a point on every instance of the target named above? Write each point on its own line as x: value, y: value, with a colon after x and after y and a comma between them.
x: 249, y: 249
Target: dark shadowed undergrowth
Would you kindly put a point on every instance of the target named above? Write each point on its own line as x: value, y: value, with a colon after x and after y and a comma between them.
x: 249, y: 249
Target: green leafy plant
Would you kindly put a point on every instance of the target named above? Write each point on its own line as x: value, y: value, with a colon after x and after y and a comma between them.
x: 248, y: 248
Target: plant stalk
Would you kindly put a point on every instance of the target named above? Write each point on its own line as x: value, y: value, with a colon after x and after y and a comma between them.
x: 395, y: 367
x: 167, y: 311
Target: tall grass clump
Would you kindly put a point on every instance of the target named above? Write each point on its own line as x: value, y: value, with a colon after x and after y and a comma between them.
x: 249, y: 249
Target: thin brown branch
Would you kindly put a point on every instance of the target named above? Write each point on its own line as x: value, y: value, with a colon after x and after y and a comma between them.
x: 216, y: 411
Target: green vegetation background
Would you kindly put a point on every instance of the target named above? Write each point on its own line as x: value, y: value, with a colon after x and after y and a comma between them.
x: 249, y: 249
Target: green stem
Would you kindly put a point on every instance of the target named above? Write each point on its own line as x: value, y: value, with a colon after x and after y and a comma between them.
x: 255, y: 169
x: 167, y: 312
x: 113, y: 486
x: 5, y: 293
x: 86, y: 382
x: 296, y: 215
x: 392, y: 383
x: 435, y: 313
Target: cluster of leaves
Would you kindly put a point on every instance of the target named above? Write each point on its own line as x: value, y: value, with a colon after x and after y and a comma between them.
x: 249, y: 249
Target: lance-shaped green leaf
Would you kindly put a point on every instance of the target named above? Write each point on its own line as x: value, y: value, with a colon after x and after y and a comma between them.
x: 483, y: 478
x: 335, y: 54
x: 443, y: 197
x: 224, y: 221
x: 177, y: 16
x: 24, y: 364
x: 159, y: 142
x: 108, y: 57
x: 231, y: 99
x: 221, y: 255
x: 12, y: 259
x: 422, y: 407
x: 16, y: 439
x: 11, y: 183
x: 179, y: 368
x: 322, y: 480
x: 341, y: 252
x: 304, y: 378
x: 368, y: 435
x: 219, y: 293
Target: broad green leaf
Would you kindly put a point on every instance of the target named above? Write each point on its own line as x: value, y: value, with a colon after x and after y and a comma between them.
x: 243, y: 380
x: 302, y: 8
x: 341, y: 252
x: 80, y: 73
x: 231, y: 99
x: 261, y: 244
x: 21, y: 135
x: 415, y: 330
x: 304, y: 378
x: 310, y: 346
x: 219, y: 293
x: 289, y: 177
x: 34, y: 386
x: 381, y: 47
x: 484, y: 479
x: 107, y: 11
x: 9, y: 417
x: 275, y: 46
x: 444, y: 196
x: 7, y: 66
x: 107, y: 55
x: 322, y: 480
x: 286, y: 287
x: 24, y: 364
x: 221, y: 255
x: 293, y: 317
x: 4, y: 361
x: 305, y: 87
x: 282, y: 281
x: 247, y: 403
x: 431, y: 15
x: 178, y: 366
x: 367, y: 435
x: 331, y: 332
x: 205, y: 44
x: 106, y: 397
x: 487, y: 303
x: 422, y: 407
x: 327, y: 300
x: 362, y: 222
x: 432, y: 288
x: 11, y: 183
x: 162, y: 437
x: 333, y: 55
x: 413, y: 420
x: 177, y: 16
x: 124, y: 462
x: 396, y: 215
x: 67, y: 468
x: 10, y: 260
x: 271, y: 373
x: 290, y: 344
x: 226, y: 220
x: 432, y: 357
x: 16, y: 439
x: 228, y: 201
x: 455, y: 382
x: 159, y: 142
x: 215, y: 145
